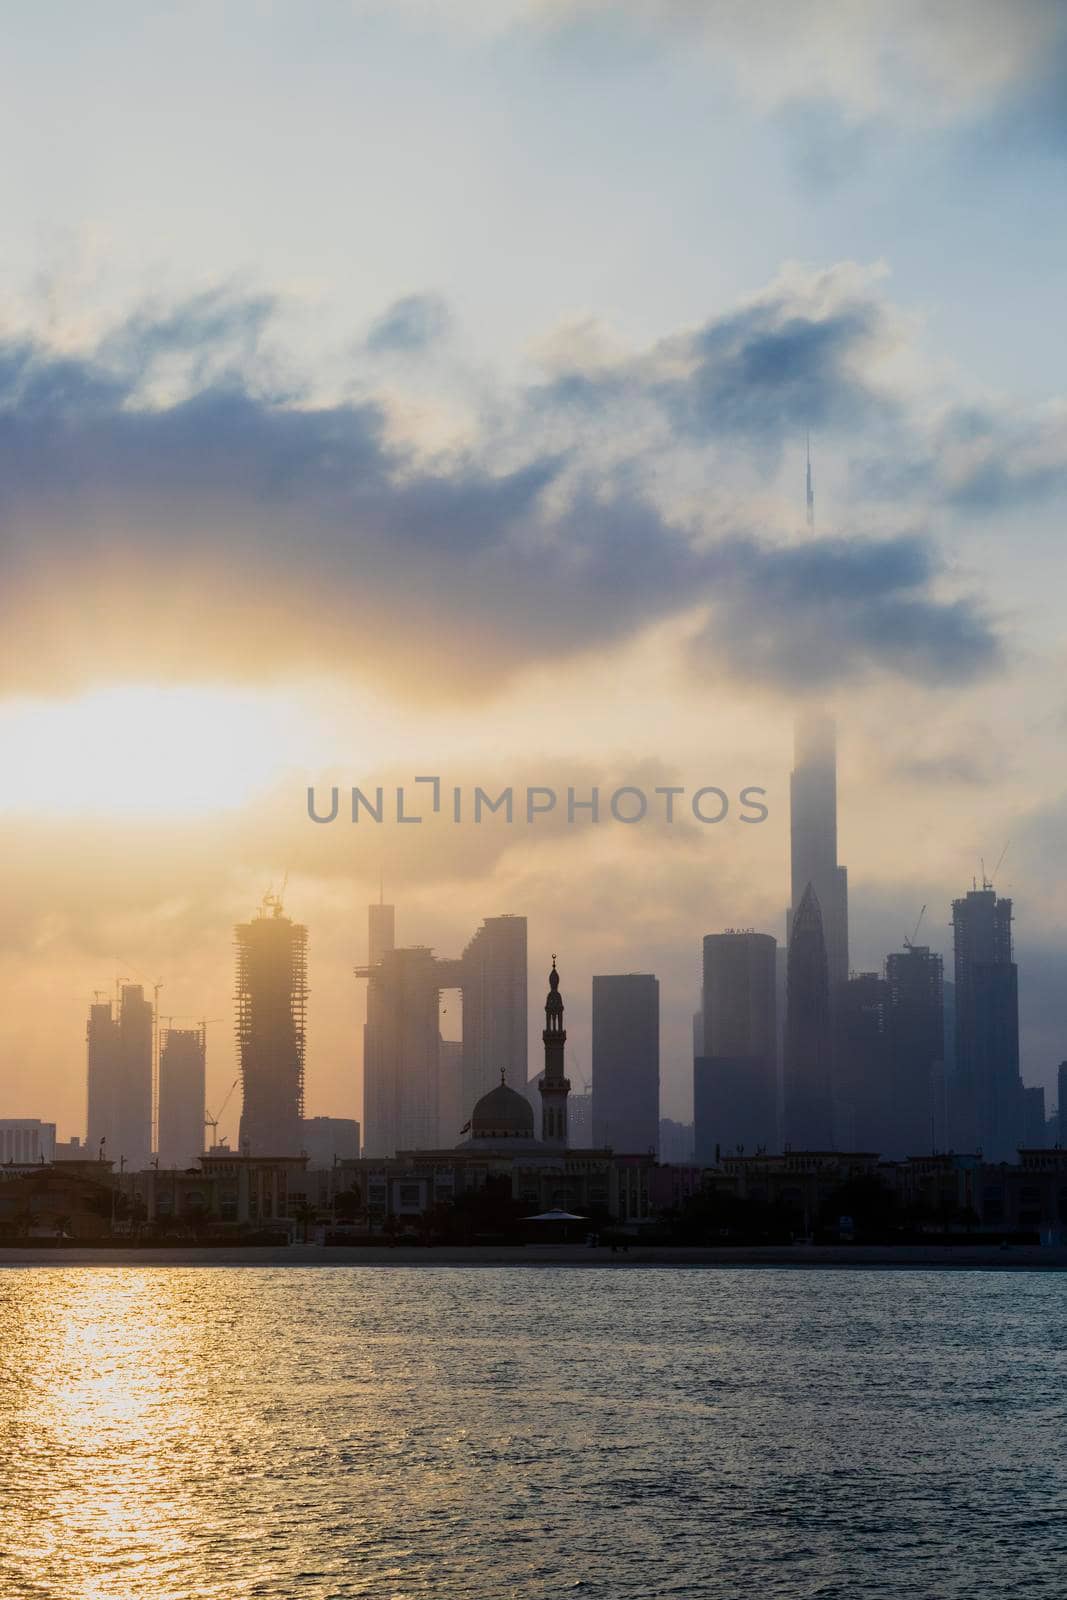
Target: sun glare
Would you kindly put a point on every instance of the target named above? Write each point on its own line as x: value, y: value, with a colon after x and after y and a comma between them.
x: 144, y: 749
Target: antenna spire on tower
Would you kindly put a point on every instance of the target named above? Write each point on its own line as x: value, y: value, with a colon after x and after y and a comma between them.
x: 810, y: 489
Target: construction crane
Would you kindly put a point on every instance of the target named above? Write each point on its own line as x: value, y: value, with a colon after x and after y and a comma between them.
x: 213, y: 1122
x: 909, y: 944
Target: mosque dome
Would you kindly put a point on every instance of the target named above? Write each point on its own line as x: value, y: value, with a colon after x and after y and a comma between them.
x: 503, y: 1113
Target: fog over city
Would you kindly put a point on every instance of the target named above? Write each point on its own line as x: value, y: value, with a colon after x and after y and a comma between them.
x: 440, y: 404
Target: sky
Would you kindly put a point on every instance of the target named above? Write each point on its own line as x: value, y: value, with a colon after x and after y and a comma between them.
x: 423, y: 389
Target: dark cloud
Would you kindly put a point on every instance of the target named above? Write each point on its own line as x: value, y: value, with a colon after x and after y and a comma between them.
x: 230, y: 530
x: 975, y: 460
x: 763, y: 374
x: 835, y: 609
x: 410, y: 324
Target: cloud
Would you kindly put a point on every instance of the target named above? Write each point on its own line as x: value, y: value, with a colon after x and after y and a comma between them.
x: 838, y: 609
x: 410, y: 324
x: 918, y: 63
x: 980, y: 459
x: 807, y: 352
x: 168, y: 510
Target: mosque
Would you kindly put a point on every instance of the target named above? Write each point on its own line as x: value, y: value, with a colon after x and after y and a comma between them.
x: 502, y: 1143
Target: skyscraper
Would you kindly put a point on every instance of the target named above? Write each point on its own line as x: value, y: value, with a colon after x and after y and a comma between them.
x: 402, y: 1044
x: 133, y: 1081
x: 120, y: 1079
x: 495, y: 1018
x: 381, y: 931
x: 987, y: 1090
x: 813, y: 839
x: 862, y: 1097
x: 102, y: 1048
x: 1035, y: 1127
x: 734, y: 1073
x: 808, y: 1067
x: 739, y: 1002
x: 271, y: 1009
x: 402, y: 1057
x: 626, y: 1062
x: 181, y: 1097
x: 554, y: 1085
x: 915, y: 979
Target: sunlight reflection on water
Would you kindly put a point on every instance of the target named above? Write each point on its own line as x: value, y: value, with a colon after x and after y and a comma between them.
x: 217, y: 1433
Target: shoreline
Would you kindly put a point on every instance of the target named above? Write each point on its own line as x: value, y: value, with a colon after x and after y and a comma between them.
x: 985, y: 1257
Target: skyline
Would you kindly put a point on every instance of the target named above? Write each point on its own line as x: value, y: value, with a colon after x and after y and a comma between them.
x: 466, y: 423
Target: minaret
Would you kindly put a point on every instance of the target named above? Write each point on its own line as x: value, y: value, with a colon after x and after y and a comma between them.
x: 554, y: 1086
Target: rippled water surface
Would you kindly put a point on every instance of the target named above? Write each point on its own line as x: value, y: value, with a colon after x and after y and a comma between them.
x: 211, y: 1434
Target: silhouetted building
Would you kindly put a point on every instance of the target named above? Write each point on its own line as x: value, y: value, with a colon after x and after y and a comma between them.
x: 675, y: 1142
x: 450, y: 1102
x: 1061, y: 1102
x: 120, y: 1078
x: 401, y: 1052
x: 813, y: 840
x: 808, y: 1066
x: 987, y: 1089
x: 26, y: 1139
x: 329, y: 1140
x: 733, y: 1106
x: 74, y: 1149
x: 401, y: 1061
x: 734, y: 1076
x: 228, y: 1191
x: 271, y: 1011
x: 554, y: 1084
x: 915, y: 979
x: 495, y: 1016
x: 863, y: 1113
x: 626, y: 1062
x: 739, y: 1006
x: 181, y: 1096
x: 1034, y: 1119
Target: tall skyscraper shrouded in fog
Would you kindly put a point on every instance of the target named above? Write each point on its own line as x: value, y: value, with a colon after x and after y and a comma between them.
x: 734, y: 1072
x: 808, y: 1066
x: 271, y: 1011
x: 120, y: 1078
x: 813, y: 839
x: 554, y: 1084
x: 626, y: 1062
x: 181, y: 1096
x: 987, y: 1095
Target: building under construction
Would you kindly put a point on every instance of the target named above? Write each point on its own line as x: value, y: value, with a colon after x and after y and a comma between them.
x: 271, y: 1011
